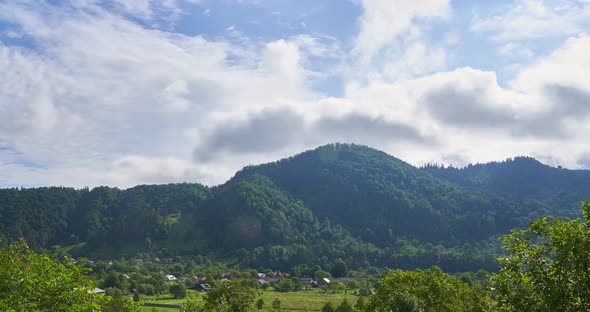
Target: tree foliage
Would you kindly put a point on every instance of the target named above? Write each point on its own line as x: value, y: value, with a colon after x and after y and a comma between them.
x: 344, y: 306
x: 426, y: 290
x: 277, y: 305
x: 32, y: 282
x: 178, y: 290
x: 328, y: 307
x: 229, y: 296
x: 547, y: 267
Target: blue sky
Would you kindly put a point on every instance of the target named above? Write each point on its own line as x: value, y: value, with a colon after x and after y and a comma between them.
x: 124, y: 92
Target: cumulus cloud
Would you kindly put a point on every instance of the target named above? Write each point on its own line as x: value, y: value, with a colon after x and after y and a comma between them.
x: 97, y: 97
x: 391, y: 30
x: 271, y: 130
x: 263, y: 132
x: 383, y: 21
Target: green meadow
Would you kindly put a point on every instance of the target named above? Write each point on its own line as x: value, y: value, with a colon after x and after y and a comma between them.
x: 304, y: 300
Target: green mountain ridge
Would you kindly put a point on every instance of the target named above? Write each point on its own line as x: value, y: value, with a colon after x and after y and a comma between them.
x: 337, y: 201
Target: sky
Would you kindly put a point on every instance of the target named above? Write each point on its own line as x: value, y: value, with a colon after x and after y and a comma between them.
x: 127, y: 92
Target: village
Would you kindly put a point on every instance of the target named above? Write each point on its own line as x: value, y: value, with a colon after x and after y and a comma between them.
x: 166, y: 282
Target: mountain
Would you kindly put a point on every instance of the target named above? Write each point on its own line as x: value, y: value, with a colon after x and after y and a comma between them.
x: 379, y: 197
x: 337, y: 201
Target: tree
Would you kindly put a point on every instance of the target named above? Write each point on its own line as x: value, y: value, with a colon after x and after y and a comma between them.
x: 285, y: 285
x: 277, y: 305
x: 547, y: 268
x: 32, y: 282
x: 426, y: 290
x: 328, y: 307
x: 363, y: 292
x: 178, y: 290
x: 229, y: 297
x: 192, y: 305
x: 360, y: 304
x: 259, y: 304
x: 344, y: 307
x: 339, y: 269
x: 321, y: 274
x: 120, y: 304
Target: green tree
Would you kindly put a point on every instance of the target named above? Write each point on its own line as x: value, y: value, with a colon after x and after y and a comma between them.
x: 339, y: 269
x: 120, y: 304
x: 259, y: 304
x: 277, y: 305
x: 547, y: 268
x: 363, y: 292
x: 344, y: 307
x: 32, y: 282
x: 178, y: 290
x: 426, y: 290
x: 285, y: 285
x: 328, y: 307
x: 360, y: 303
x: 229, y: 296
x: 192, y: 305
x: 321, y: 274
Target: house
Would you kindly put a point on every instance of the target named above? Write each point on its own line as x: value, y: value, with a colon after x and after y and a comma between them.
x: 203, y: 287
x: 262, y: 281
x: 97, y: 291
x: 200, y: 278
x: 305, y: 281
x: 138, y: 261
x: 170, y: 277
x: 324, y: 282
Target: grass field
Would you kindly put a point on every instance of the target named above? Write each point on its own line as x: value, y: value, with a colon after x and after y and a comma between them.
x: 305, y: 300
x: 310, y: 300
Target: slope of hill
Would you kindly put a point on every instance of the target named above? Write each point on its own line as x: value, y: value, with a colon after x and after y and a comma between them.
x: 337, y: 201
x: 556, y: 190
x: 379, y: 197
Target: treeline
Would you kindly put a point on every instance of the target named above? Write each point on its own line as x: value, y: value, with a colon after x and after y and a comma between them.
x: 99, y: 217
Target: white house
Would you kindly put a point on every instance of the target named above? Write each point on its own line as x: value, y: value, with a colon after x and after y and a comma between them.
x: 170, y: 277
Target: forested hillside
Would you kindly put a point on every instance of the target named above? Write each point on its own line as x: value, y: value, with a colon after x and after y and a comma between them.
x: 337, y: 201
x: 525, y: 180
x: 99, y: 217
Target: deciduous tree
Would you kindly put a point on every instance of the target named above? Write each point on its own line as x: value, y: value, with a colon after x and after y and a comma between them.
x: 547, y: 267
x: 32, y: 282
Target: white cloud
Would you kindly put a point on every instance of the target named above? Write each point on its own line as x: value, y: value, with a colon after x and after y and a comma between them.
x: 100, y: 99
x: 535, y: 19
x: 417, y: 59
x: 565, y: 66
x: 282, y: 58
x: 148, y: 10
x: 516, y: 50
x: 100, y: 88
x: 383, y: 21
x: 390, y: 30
